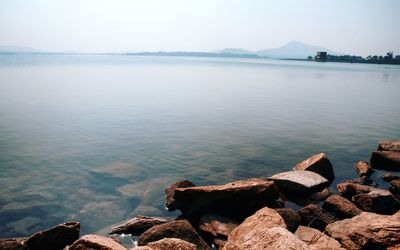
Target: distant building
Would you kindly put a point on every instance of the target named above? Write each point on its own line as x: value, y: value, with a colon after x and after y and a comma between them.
x: 321, y: 56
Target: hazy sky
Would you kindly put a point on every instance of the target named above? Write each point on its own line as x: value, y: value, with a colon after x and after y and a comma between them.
x: 349, y: 26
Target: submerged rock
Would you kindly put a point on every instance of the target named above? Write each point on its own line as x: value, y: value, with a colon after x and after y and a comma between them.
x: 13, y: 244
x: 370, y: 199
x: 341, y: 207
x: 314, y: 216
x: 274, y: 238
x: 176, y: 229
x: 236, y: 200
x: 216, y: 225
x: 367, y: 231
x: 316, y: 239
x: 363, y: 168
x: 137, y: 225
x: 172, y: 243
x: 319, y: 164
x: 95, y: 242
x: 299, y: 182
x: 291, y: 218
x: 386, y: 160
x: 389, y: 146
x: 55, y: 238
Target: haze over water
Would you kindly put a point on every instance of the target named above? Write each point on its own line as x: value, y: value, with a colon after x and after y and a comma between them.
x: 97, y: 138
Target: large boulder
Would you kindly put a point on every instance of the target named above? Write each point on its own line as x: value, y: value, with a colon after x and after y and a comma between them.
x: 291, y: 218
x: 138, y: 225
x: 367, y: 231
x: 299, y: 182
x: 216, y: 225
x: 363, y: 168
x: 172, y: 243
x: 235, y: 200
x: 274, y: 238
x: 96, y: 242
x: 389, y: 146
x: 317, y: 239
x: 263, y: 218
x: 170, y: 192
x: 13, y: 244
x: 341, y: 207
x: 176, y: 229
x: 314, y: 216
x: 319, y: 164
x: 386, y: 160
x: 370, y: 199
x: 55, y: 238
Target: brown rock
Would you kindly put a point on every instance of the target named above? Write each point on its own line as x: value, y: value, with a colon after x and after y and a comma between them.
x: 170, y: 191
x: 389, y: 146
x: 363, y: 180
x: 314, y: 216
x: 219, y: 243
x: 367, y: 231
x: 96, y: 242
x: 172, y: 243
x: 142, y: 248
x: 319, y: 164
x: 138, y: 225
x: 341, y: 207
x: 263, y: 218
x: 13, y: 244
x: 390, y: 177
x: 322, y: 195
x: 363, y: 168
x: 216, y: 225
x: 370, y: 199
x: 176, y: 229
x: 274, y: 238
x: 395, y: 187
x: 317, y: 239
x: 299, y: 182
x: 386, y: 160
x: 235, y: 200
x: 55, y: 238
x: 291, y: 218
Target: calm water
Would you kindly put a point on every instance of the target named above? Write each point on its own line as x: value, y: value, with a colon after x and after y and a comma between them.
x: 98, y: 138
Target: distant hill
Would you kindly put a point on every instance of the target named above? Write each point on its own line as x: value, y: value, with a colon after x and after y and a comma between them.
x: 17, y: 49
x: 294, y: 49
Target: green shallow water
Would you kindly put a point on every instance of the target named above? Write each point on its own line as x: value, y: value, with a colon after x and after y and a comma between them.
x: 98, y: 138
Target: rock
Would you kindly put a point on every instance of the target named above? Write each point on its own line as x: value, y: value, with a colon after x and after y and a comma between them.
x: 363, y: 168
x: 275, y: 238
x: 389, y: 146
x: 219, y: 243
x: 142, y: 248
x: 367, y: 231
x: 13, y: 244
x: 138, y: 225
x: 363, y: 180
x: 390, y: 177
x: 291, y: 218
x: 322, y: 195
x: 55, y: 238
x: 314, y: 216
x: 370, y: 199
x: 235, y: 200
x: 341, y: 207
x: 317, y: 239
x: 319, y: 164
x: 299, y: 182
x: 395, y: 187
x: 170, y: 191
x: 176, y: 229
x: 263, y: 218
x: 172, y: 243
x: 386, y: 160
x: 216, y: 225
x: 96, y: 242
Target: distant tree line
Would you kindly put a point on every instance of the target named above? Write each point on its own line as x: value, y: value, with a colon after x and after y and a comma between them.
x: 387, y: 59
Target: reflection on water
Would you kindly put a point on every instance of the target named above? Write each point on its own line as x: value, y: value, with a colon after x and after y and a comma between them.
x: 98, y: 138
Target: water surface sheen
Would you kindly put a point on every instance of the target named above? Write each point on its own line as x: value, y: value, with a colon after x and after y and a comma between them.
x: 97, y: 138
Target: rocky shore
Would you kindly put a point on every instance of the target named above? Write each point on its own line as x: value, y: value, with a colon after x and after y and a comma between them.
x: 251, y: 214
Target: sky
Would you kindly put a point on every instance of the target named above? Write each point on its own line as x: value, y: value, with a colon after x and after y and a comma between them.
x: 360, y: 27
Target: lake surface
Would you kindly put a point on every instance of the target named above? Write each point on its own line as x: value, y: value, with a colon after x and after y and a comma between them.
x: 97, y: 138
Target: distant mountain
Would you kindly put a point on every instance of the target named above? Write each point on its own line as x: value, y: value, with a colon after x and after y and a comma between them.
x: 235, y: 51
x: 17, y: 49
x: 294, y: 50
